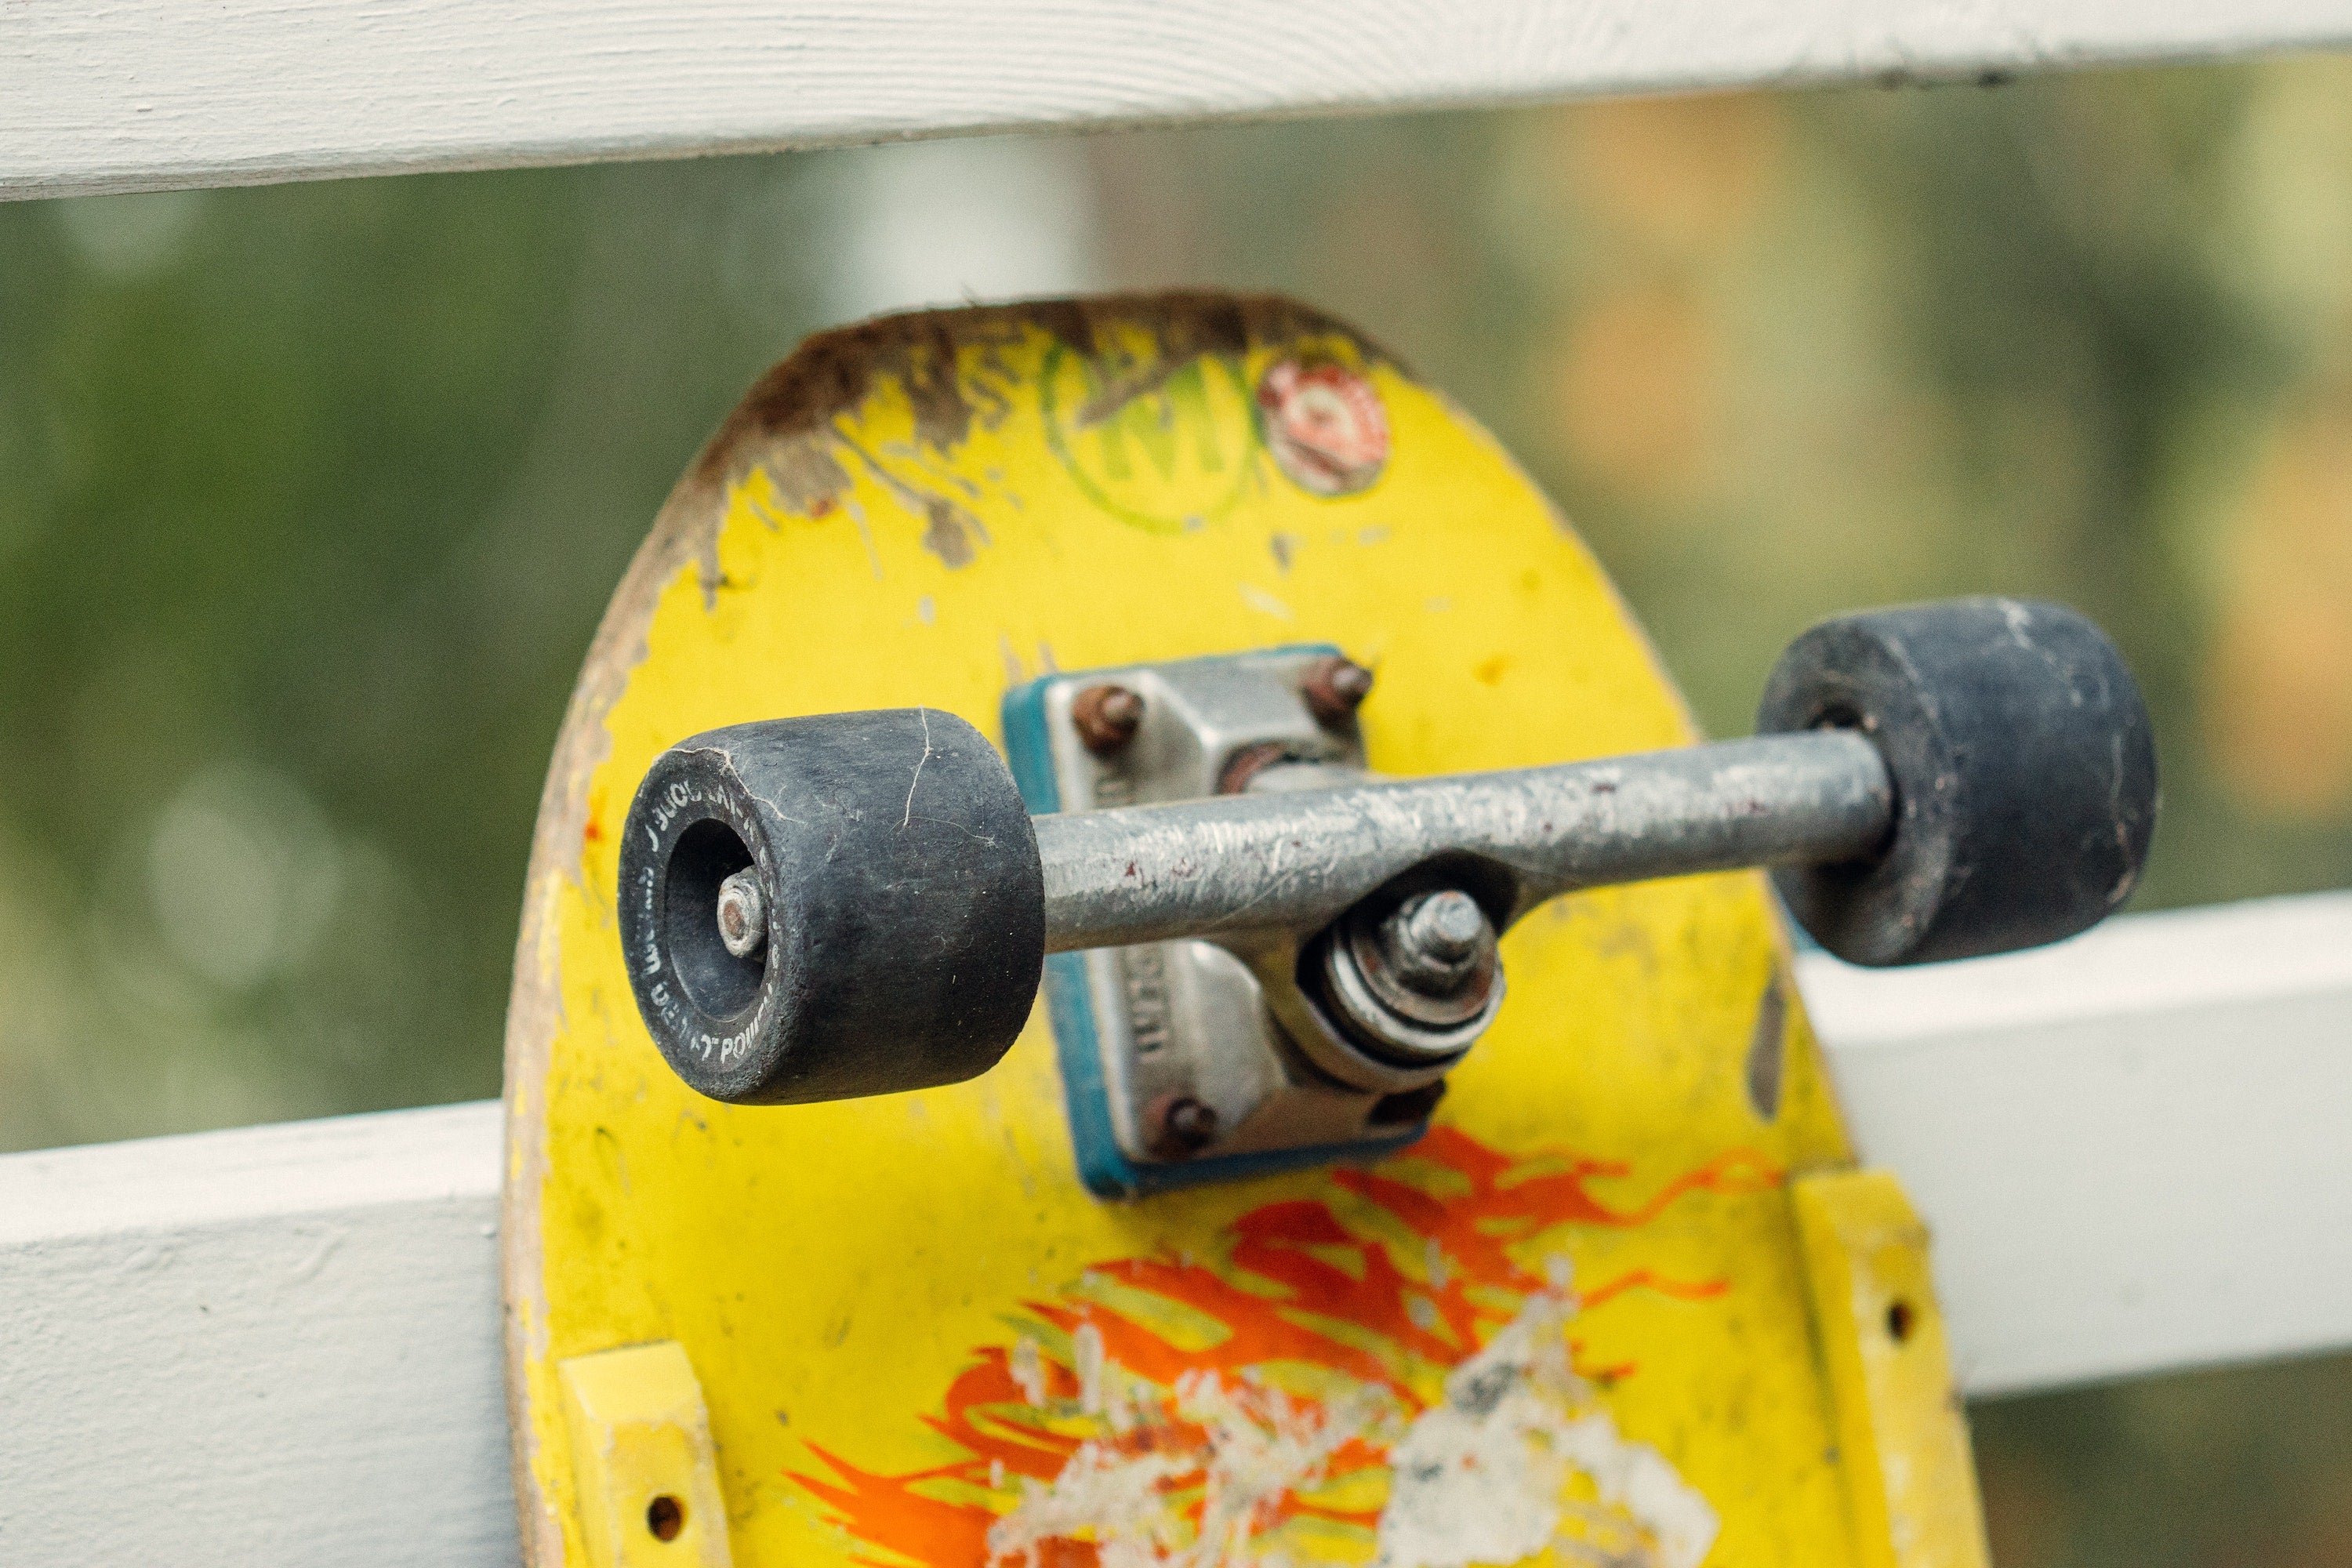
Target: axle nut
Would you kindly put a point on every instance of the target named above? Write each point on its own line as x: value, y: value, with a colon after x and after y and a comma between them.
x: 743, y: 914
x: 1433, y: 936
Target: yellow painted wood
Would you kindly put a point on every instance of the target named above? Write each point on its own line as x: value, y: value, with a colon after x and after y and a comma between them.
x: 646, y: 1477
x: 920, y: 1340
x: 1901, y: 1430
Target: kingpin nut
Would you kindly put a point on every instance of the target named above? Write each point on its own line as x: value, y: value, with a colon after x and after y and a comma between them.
x: 1434, y: 942
x: 1423, y: 979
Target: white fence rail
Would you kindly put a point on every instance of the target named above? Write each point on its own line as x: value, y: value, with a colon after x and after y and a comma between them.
x: 143, y: 94
x: 281, y: 1345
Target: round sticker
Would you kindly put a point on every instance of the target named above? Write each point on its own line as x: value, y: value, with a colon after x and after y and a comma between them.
x: 1325, y: 425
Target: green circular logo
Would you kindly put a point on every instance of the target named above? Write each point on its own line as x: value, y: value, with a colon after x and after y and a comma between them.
x: 1164, y: 447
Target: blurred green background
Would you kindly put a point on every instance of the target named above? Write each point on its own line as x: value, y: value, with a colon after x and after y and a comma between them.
x: 309, y: 498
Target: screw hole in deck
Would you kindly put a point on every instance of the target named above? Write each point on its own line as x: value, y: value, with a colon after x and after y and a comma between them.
x: 1900, y: 1320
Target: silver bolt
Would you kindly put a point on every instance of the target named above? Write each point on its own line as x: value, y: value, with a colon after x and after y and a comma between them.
x: 1436, y: 943
x: 742, y: 913
x: 1445, y: 926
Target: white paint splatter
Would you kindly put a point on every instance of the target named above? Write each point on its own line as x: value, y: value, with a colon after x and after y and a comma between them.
x: 1483, y: 1477
x: 1477, y: 1478
x: 1264, y: 602
x: 1260, y: 1447
x: 1028, y: 1369
x: 1087, y: 1342
x: 1112, y: 1498
x: 1257, y: 1446
x: 1638, y: 1478
x: 1480, y: 1477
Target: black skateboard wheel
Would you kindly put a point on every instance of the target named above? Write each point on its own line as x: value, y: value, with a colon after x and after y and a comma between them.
x: 2024, y: 776
x: 884, y: 907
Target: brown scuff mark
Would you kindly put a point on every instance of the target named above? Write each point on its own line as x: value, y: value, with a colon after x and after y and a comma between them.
x: 833, y: 373
x: 788, y: 424
x: 948, y: 527
x: 807, y: 476
x: 949, y: 530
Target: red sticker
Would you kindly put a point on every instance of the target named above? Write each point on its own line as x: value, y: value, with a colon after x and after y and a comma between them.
x: 1325, y: 425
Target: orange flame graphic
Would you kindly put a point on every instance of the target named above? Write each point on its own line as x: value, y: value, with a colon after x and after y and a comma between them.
x: 1130, y: 1371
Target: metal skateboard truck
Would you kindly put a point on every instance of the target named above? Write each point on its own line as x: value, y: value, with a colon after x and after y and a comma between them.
x: 1284, y: 955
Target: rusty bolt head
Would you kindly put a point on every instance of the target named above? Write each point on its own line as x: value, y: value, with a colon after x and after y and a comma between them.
x: 743, y: 914
x: 1106, y: 717
x: 1186, y: 1126
x: 1334, y: 688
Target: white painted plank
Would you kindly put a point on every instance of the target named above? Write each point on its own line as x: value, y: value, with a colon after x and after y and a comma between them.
x: 2134, y: 1149
x: 282, y: 1344
x: 141, y: 94
x: 273, y: 1346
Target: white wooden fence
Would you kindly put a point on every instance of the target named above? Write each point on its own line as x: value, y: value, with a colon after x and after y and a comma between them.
x: 139, y: 94
x: 281, y: 1345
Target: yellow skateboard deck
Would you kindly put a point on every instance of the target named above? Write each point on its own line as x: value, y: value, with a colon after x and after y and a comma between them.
x: 1625, y: 1303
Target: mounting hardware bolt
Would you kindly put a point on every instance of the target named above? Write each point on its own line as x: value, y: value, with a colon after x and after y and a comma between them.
x: 1186, y: 1126
x: 1107, y: 718
x: 742, y: 913
x: 1334, y: 688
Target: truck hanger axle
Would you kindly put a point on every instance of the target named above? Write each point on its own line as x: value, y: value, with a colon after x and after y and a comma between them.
x: 858, y: 903
x: 1299, y: 859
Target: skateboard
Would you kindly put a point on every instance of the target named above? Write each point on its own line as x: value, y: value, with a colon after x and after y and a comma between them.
x: 1411, y: 1151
